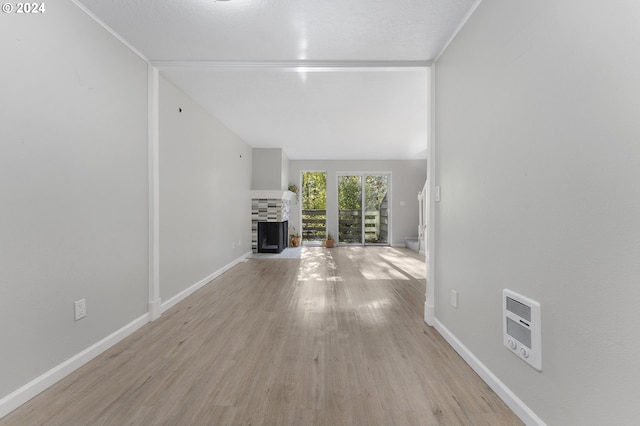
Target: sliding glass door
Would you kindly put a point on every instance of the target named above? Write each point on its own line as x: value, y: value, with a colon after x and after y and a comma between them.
x: 350, y: 209
x: 376, y: 209
x: 363, y: 209
x: 314, y: 207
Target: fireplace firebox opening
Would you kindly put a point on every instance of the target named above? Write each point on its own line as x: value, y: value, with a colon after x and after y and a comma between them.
x: 272, y: 236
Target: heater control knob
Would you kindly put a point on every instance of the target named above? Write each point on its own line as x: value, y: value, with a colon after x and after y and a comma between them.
x: 512, y: 344
x: 524, y: 352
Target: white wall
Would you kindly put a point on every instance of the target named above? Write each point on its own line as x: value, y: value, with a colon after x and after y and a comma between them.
x: 284, y: 176
x: 407, y: 180
x: 538, y: 157
x: 268, y: 170
x: 73, y: 188
x: 205, y: 206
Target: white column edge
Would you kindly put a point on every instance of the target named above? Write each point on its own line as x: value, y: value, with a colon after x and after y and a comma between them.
x: 154, y: 194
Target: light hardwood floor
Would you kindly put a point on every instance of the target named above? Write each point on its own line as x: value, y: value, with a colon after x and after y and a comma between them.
x: 334, y: 338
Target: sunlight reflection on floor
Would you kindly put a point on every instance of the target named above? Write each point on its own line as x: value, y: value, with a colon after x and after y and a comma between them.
x: 408, y: 265
x: 317, y: 262
x: 365, y: 280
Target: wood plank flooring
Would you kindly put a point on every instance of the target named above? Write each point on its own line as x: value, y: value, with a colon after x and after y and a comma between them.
x: 333, y: 338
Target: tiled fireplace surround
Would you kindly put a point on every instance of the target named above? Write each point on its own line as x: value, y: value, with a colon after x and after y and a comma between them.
x: 268, y: 206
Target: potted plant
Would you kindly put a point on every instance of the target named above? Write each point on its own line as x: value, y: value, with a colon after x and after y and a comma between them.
x: 294, y: 188
x: 294, y: 237
x: 329, y: 242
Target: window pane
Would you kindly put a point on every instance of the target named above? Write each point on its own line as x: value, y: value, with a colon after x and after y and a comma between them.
x: 350, y: 209
x: 314, y: 206
x: 376, y: 210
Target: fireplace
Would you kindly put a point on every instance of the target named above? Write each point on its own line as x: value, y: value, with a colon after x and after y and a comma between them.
x: 272, y: 236
x: 270, y: 207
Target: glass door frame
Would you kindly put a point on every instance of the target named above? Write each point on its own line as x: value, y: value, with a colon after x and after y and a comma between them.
x: 315, y: 241
x: 363, y: 176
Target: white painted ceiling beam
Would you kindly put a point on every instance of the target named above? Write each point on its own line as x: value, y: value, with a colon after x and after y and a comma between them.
x: 296, y: 65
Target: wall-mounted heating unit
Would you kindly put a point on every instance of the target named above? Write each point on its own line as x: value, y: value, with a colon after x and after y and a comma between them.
x: 521, y: 327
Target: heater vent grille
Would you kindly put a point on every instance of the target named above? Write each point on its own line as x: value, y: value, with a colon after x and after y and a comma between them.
x: 522, y: 327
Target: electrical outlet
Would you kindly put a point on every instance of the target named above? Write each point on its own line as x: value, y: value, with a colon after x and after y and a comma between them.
x: 80, y: 308
x: 454, y: 298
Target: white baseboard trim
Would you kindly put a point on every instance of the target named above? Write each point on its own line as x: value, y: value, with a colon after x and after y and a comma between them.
x: 48, y: 379
x: 429, y: 314
x: 155, y: 309
x: 193, y: 288
x: 513, y: 402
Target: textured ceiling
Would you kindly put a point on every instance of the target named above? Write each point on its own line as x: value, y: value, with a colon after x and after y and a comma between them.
x: 362, y: 95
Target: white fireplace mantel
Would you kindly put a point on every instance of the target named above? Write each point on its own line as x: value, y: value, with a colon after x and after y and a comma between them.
x: 271, y: 194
